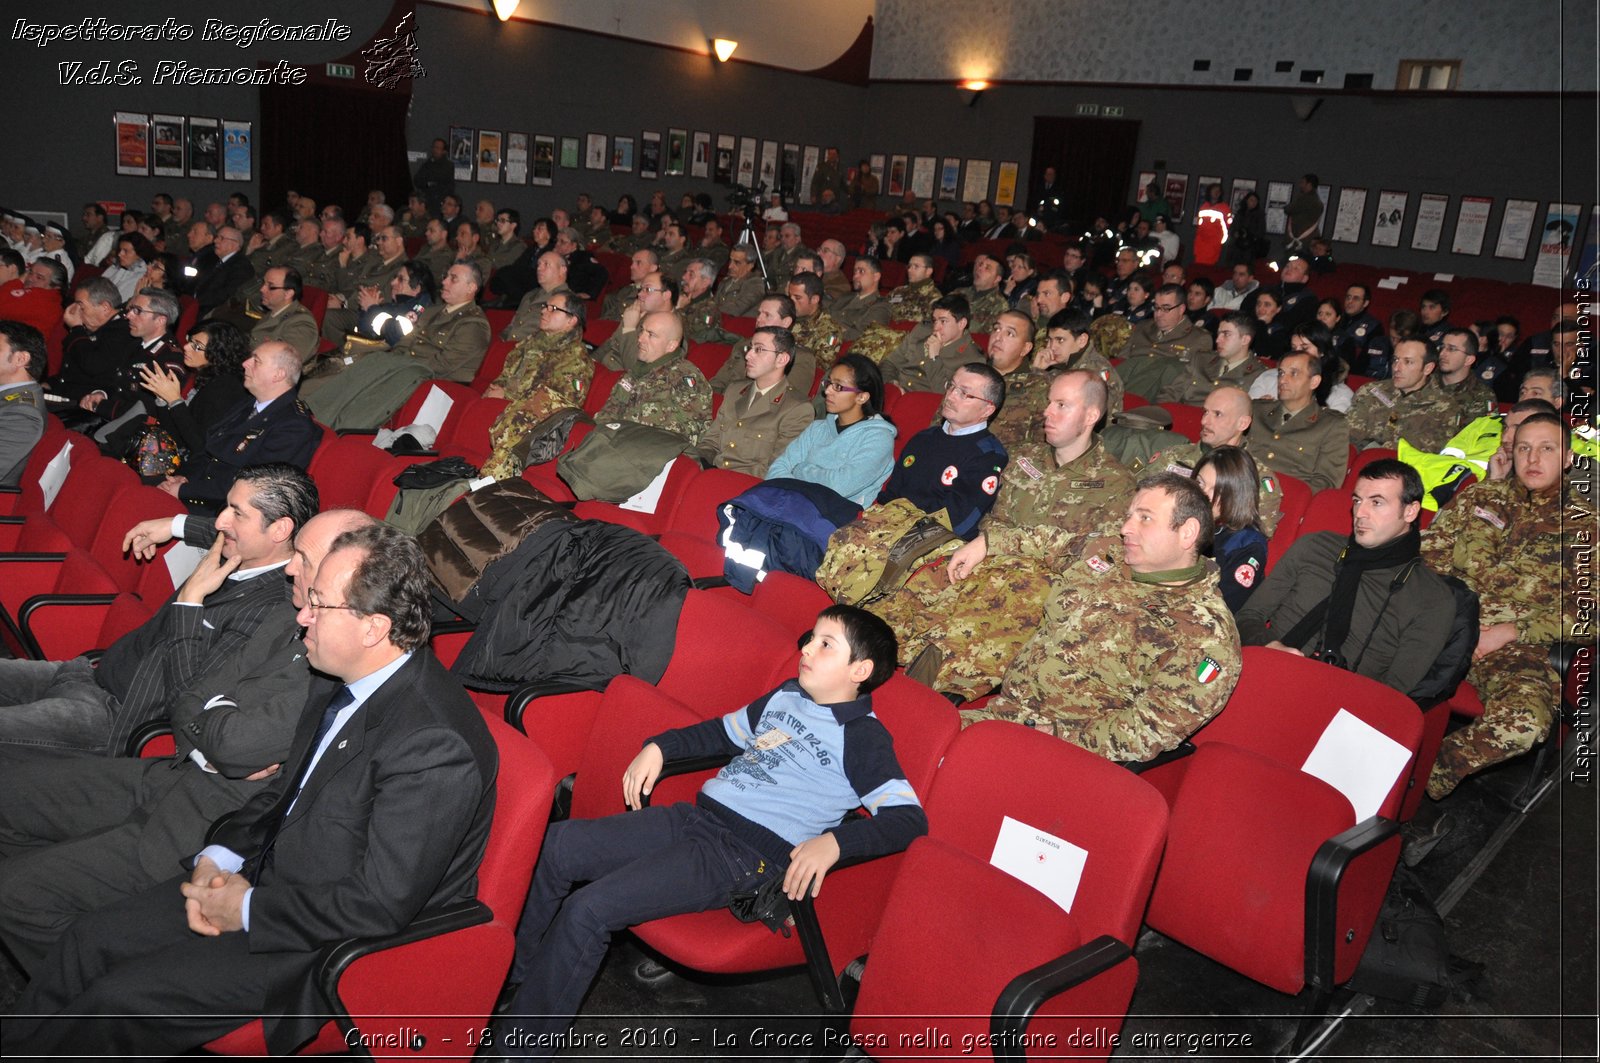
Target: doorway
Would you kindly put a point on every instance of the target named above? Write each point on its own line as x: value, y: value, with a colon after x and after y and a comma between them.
x: 1094, y: 161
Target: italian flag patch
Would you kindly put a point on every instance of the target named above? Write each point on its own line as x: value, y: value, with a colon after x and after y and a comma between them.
x: 1207, y: 670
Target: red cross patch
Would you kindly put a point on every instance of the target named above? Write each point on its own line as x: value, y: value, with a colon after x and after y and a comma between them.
x: 949, y: 475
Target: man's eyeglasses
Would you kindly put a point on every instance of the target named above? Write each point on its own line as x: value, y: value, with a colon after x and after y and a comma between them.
x: 133, y: 311
x: 559, y: 309
x: 764, y: 350
x: 658, y: 291
x: 956, y: 389
x: 314, y: 606
x: 1168, y: 308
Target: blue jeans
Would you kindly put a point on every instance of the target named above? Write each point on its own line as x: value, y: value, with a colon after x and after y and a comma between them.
x: 638, y: 866
x: 53, y: 706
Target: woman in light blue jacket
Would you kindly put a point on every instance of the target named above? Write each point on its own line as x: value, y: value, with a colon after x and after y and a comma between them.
x: 852, y: 449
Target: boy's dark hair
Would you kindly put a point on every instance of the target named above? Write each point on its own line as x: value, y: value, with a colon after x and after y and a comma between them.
x: 870, y: 638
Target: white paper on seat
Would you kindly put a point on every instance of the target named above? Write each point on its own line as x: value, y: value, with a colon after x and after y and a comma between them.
x: 1446, y: 277
x: 1391, y: 282
x: 1358, y: 760
x: 181, y: 560
x: 647, y: 500
x: 1051, y: 865
x: 55, y: 474
x: 435, y: 408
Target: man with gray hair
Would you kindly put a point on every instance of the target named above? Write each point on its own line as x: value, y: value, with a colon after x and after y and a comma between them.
x: 231, y: 268
x: 697, y: 303
x: 781, y: 259
x: 97, y: 346
x: 835, y: 285
x: 551, y: 272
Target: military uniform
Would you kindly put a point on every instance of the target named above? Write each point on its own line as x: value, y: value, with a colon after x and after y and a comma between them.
x: 1473, y: 398
x: 914, y: 302
x: 1120, y: 665
x: 525, y: 322
x: 621, y: 350
x: 670, y: 394
x: 1382, y: 414
x: 1361, y: 343
x: 671, y: 263
x: 1207, y: 372
x: 1092, y: 361
x: 702, y: 321
x: 618, y: 301
x: 1183, y: 457
x: 1517, y: 550
x: 835, y: 288
x: 321, y: 269
x: 984, y: 307
x: 780, y: 264
x: 801, y: 374
x: 412, y: 227
x: 716, y: 254
x: 877, y: 342
x: 503, y: 253
x: 544, y: 373
x: 1152, y: 357
x: 1041, y: 516
x: 294, y: 325
x: 740, y: 296
x: 21, y: 428
x: 270, y: 255
x: 1021, y: 418
x: 751, y: 430
x: 911, y: 368
x: 857, y: 312
x: 820, y: 335
x: 370, y: 270
x: 438, y: 260
x: 1312, y: 445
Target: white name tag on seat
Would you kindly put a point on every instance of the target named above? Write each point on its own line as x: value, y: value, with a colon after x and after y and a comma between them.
x: 1051, y: 865
x: 1358, y: 760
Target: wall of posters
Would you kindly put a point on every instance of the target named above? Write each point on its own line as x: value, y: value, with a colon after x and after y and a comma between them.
x: 1430, y: 221
x: 897, y: 176
x: 769, y: 165
x: 1391, y: 216
x: 1555, y: 244
x: 649, y: 154
x: 544, y: 164
x: 724, y: 171
x: 700, y: 156
x: 461, y: 151
x: 677, y: 152
x: 166, y: 145
x: 922, y: 176
x: 594, y: 152
x: 1471, y: 224
x: 1005, y: 185
x: 949, y: 178
x: 747, y: 162
x: 1347, y: 220
x: 1516, y: 225
x: 976, y: 186
x: 205, y: 149
x: 489, y: 156
x: 235, y: 151
x: 1278, y: 193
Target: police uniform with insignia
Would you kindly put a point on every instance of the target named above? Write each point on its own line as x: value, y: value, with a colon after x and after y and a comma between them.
x: 750, y: 429
x: 1382, y: 414
x: 21, y: 427
x: 669, y: 393
x: 1207, y: 372
x: 1124, y: 664
x: 281, y: 431
x: 1312, y: 445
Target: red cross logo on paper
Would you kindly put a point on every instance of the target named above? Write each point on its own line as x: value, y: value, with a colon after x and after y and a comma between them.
x: 949, y: 475
x: 1039, y: 858
x: 1245, y: 575
x: 991, y: 484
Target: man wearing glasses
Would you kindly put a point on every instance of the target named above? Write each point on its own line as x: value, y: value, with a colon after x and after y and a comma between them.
x: 1159, y: 349
x: 1458, y: 353
x: 284, y: 318
x: 363, y: 269
x: 217, y: 284
x: 658, y: 294
x: 763, y: 414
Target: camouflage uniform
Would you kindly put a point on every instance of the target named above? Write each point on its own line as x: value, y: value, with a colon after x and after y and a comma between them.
x: 1110, y: 332
x: 1122, y: 667
x: 618, y: 301
x: 910, y: 368
x: 1312, y: 445
x: 1021, y: 419
x: 801, y: 374
x: 1152, y: 357
x: 1382, y: 414
x: 1205, y: 374
x: 525, y: 322
x: 1042, y: 513
x: 670, y: 393
x: 877, y: 342
x: 1183, y: 458
x: 855, y: 313
x: 1509, y: 545
x: 985, y: 307
x: 738, y: 297
x: 1473, y: 397
x: 820, y: 335
x: 702, y: 321
x: 545, y: 373
x: 914, y: 302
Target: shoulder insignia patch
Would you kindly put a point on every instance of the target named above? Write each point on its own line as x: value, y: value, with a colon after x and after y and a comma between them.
x: 1490, y: 517
x: 1207, y: 670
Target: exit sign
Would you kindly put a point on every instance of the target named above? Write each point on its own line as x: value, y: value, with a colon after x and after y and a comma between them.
x: 341, y: 70
x: 1113, y: 112
x: 1088, y: 108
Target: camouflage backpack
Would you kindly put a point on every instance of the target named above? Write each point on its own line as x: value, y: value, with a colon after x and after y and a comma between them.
x: 874, y: 555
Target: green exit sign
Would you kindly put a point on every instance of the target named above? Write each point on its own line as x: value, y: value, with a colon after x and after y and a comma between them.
x: 341, y: 70
x: 1112, y: 112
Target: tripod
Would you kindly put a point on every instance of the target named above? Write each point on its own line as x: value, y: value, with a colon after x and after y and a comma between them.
x: 752, y: 246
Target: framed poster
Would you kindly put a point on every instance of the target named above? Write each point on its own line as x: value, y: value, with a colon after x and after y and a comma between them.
x: 517, y: 158
x: 235, y: 151
x: 808, y: 169
x: 205, y: 151
x: 133, y: 144
x: 677, y: 152
x: 897, y: 176
x: 569, y: 153
x: 769, y: 165
x: 1472, y: 223
x: 1430, y: 221
x: 1201, y: 185
x: 544, y: 163
x: 1391, y: 216
x: 1589, y: 257
x: 622, y: 154
x: 489, y: 156
x: 724, y: 171
x: 1142, y: 191
x: 700, y: 157
x: 1516, y: 225
x: 649, y: 155
x: 747, y: 162
x: 461, y: 151
x: 949, y: 178
x: 166, y: 145
x: 1005, y: 185
x: 594, y: 152
x: 1177, y: 190
x: 1347, y: 220
x: 976, y: 186
x: 1555, y: 244
x: 789, y: 171
x: 1277, y: 205
x: 1242, y: 186
x: 922, y: 176
x: 878, y: 164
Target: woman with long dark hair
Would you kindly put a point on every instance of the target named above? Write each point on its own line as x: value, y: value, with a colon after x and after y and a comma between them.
x: 1229, y: 478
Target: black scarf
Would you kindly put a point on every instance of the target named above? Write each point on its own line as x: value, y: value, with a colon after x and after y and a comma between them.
x: 1332, y: 615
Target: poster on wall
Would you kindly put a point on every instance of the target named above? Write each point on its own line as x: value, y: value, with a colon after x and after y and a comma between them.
x: 1141, y: 192
x: 622, y: 154
x: 769, y: 164
x: 724, y: 170
x: 544, y: 163
x: 1202, y: 185
x: 205, y: 149
x: 1277, y: 205
x: 235, y: 151
x: 949, y: 178
x: 1177, y: 191
x: 594, y: 152
x: 489, y: 156
x: 569, y: 153
x: 1555, y: 244
x: 747, y: 161
x: 922, y: 176
x: 1391, y: 216
x: 976, y: 186
x: 897, y: 176
x: 516, y: 167
x: 1242, y: 186
x: 166, y: 145
x: 1472, y: 223
x: 677, y: 152
x: 1431, y: 209
x: 808, y: 169
x: 700, y: 155
x: 878, y: 164
x: 461, y: 151
x: 1347, y: 220
x: 133, y: 144
x: 1005, y: 185
x: 1589, y: 257
x: 789, y: 171
x: 649, y: 154
x: 1516, y: 225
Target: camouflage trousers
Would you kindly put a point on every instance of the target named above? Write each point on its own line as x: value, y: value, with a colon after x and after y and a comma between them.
x: 979, y: 624
x: 1519, y: 691
x: 877, y: 342
x: 508, y: 436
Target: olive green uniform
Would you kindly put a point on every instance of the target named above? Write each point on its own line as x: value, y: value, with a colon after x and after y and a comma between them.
x: 1152, y: 356
x: 914, y: 302
x: 1473, y: 398
x: 857, y: 312
x: 1312, y: 445
x: 1207, y: 372
x: 618, y: 301
x: 984, y: 307
x: 741, y: 296
x: 294, y: 325
x: 750, y: 430
x: 911, y: 368
x: 801, y: 373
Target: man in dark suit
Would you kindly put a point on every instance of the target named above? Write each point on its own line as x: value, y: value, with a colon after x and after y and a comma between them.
x: 78, y: 832
x: 217, y: 285
x: 382, y: 810
x: 97, y: 345
x: 237, y: 593
x: 271, y: 426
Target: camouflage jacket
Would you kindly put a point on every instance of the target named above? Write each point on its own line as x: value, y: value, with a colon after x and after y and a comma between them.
x: 820, y: 335
x: 985, y: 306
x: 914, y: 302
x: 670, y: 394
x: 553, y: 362
x: 1184, y: 457
x: 1046, y: 511
x: 1473, y: 397
x: 1382, y: 414
x: 1021, y: 420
